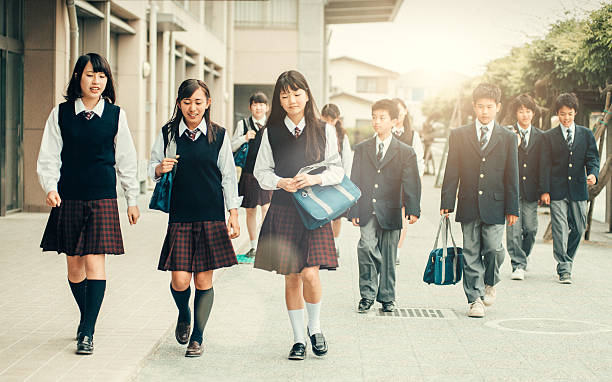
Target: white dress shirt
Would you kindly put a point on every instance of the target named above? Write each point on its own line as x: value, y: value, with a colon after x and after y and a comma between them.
x: 239, y: 137
x: 347, y: 155
x: 126, y: 160
x: 572, y: 128
x: 527, y: 133
x: 264, y: 166
x: 479, y: 126
x: 417, y: 146
x: 385, y: 143
x: 225, y: 163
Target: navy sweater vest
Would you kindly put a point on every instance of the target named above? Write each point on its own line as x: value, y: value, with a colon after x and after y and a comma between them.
x: 88, y: 153
x: 197, y: 194
x: 290, y: 156
x: 253, y: 148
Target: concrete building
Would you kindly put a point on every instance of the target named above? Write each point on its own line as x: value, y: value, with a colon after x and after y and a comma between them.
x: 278, y: 35
x: 355, y: 85
x: 152, y: 46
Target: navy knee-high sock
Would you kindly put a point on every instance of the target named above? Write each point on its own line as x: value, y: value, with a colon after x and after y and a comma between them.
x: 181, y: 299
x: 202, y: 306
x: 94, y: 297
x: 79, y: 293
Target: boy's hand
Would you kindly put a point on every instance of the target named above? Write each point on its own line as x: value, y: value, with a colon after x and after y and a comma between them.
x: 53, y: 199
x: 287, y: 184
x: 233, y: 228
x: 412, y: 219
x: 133, y: 214
x: 356, y: 222
x: 511, y: 219
x: 545, y: 199
x: 444, y: 212
x: 591, y: 180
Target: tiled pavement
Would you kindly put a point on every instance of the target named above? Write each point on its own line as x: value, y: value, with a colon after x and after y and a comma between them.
x: 538, y: 330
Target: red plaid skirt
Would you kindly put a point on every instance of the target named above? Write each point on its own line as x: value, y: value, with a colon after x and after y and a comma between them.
x: 197, y: 247
x: 253, y: 195
x: 84, y: 227
x: 286, y: 246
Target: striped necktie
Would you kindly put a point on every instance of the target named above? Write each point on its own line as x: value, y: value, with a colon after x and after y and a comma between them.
x: 381, y: 147
x: 297, y: 132
x: 569, y: 138
x: 192, y: 134
x: 88, y: 114
x: 483, y: 136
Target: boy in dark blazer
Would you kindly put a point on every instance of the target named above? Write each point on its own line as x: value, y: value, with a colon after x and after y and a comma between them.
x: 520, y: 237
x: 383, y: 168
x: 483, y: 163
x: 571, y: 163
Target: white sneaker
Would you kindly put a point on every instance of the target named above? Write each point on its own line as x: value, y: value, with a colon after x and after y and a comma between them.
x: 490, y: 295
x: 476, y: 309
x: 518, y: 274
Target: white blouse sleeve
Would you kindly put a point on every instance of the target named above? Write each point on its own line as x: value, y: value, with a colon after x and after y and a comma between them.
x: 49, y: 157
x: 417, y: 145
x: 238, y: 138
x: 264, y: 165
x: 334, y: 172
x: 229, y: 180
x: 347, y: 156
x: 157, y: 155
x: 126, y: 161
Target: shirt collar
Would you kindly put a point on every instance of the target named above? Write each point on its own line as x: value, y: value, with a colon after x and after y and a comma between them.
x: 291, y: 126
x: 527, y: 131
x: 490, y: 125
x: 201, y: 127
x: 261, y: 121
x: 398, y: 130
x: 572, y: 128
x: 79, y: 107
x: 385, y: 142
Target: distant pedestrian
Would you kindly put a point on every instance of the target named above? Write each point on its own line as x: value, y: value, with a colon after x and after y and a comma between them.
x: 294, y: 138
x: 405, y: 133
x: 250, y: 130
x: 483, y: 165
x: 85, y: 139
x: 197, y: 239
x: 520, y: 237
x: 571, y: 161
x: 385, y: 170
x: 331, y: 114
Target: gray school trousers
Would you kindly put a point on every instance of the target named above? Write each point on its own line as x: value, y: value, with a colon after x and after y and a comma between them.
x: 483, y: 254
x: 521, y: 236
x: 568, y: 219
x: 376, y: 254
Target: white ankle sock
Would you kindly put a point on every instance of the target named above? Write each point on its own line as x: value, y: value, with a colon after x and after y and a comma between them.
x: 254, y: 244
x: 314, y: 313
x: 297, y: 324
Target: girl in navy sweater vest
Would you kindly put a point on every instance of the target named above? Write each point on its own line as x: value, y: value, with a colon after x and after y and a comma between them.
x: 85, y: 144
x: 296, y: 137
x: 198, y: 239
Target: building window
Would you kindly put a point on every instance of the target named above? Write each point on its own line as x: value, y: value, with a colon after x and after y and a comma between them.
x: 277, y: 14
x: 418, y: 94
x: 372, y: 84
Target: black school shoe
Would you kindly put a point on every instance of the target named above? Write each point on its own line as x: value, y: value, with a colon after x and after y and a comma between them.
x: 298, y: 352
x: 85, y: 345
x: 182, y: 332
x: 364, y: 305
x: 388, y: 306
x: 319, y: 345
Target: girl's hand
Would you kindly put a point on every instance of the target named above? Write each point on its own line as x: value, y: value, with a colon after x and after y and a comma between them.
x: 133, y: 214
x: 305, y: 180
x: 233, y: 228
x: 287, y: 184
x: 166, y: 165
x: 53, y: 199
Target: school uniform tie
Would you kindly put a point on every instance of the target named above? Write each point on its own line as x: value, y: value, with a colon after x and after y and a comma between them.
x: 379, y: 155
x: 569, y: 138
x: 297, y: 132
x: 192, y: 134
x: 88, y: 114
x: 398, y: 133
x: 483, y: 136
x: 523, y: 134
x: 259, y: 126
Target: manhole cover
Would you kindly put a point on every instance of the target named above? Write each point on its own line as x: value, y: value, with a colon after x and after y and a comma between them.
x: 548, y: 326
x: 444, y: 314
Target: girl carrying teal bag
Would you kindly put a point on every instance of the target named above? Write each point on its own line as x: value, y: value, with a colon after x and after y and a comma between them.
x: 160, y: 200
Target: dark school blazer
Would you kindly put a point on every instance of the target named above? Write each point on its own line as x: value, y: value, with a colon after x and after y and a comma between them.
x: 530, y: 165
x: 487, y: 179
x: 381, y: 184
x: 565, y: 170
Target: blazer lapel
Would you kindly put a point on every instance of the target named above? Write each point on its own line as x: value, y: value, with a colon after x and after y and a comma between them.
x: 561, y: 139
x: 474, y: 139
x: 493, y: 141
x: 391, y: 151
x: 371, y: 151
x: 534, y: 135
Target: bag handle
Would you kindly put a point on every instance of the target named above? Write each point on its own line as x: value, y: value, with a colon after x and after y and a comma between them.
x: 169, y: 144
x: 323, y: 163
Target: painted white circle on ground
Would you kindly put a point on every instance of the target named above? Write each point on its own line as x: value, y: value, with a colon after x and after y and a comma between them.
x: 556, y: 326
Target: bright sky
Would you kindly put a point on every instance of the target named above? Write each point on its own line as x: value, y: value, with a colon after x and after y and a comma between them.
x: 451, y: 35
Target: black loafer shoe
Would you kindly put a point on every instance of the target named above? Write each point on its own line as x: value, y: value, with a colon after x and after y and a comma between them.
x: 319, y: 345
x: 364, y: 305
x: 85, y: 345
x: 251, y: 253
x: 194, y: 349
x: 298, y: 352
x: 388, y: 306
x: 182, y: 331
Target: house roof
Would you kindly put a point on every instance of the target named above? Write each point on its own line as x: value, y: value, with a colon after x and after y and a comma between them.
x: 347, y: 58
x: 360, y: 11
x: 351, y: 96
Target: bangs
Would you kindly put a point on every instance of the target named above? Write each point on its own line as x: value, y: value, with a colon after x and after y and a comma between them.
x: 190, y: 86
x: 99, y: 64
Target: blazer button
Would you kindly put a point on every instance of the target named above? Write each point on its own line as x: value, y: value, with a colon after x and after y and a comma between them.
x: 524, y: 177
x: 570, y: 165
x: 482, y: 175
x: 571, y: 153
x: 569, y: 177
x: 376, y: 186
x: 480, y: 192
x: 524, y: 164
x: 373, y: 200
x: 484, y: 159
x: 378, y: 171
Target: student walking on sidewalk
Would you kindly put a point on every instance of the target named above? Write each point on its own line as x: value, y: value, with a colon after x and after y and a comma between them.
x: 85, y: 138
x: 295, y: 137
x: 198, y: 239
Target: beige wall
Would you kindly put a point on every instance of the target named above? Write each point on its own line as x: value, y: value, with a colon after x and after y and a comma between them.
x: 352, y: 109
x: 344, y: 75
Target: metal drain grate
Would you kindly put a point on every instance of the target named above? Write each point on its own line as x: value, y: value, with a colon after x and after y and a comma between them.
x: 444, y: 314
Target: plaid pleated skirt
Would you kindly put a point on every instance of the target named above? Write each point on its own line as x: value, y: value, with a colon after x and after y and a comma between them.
x: 84, y: 227
x: 286, y: 246
x: 197, y: 247
x: 253, y: 195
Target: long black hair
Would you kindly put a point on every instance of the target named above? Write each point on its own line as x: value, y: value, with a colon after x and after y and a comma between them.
x: 186, y: 90
x: 332, y: 111
x: 315, y: 129
x: 406, y: 122
x: 100, y: 65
